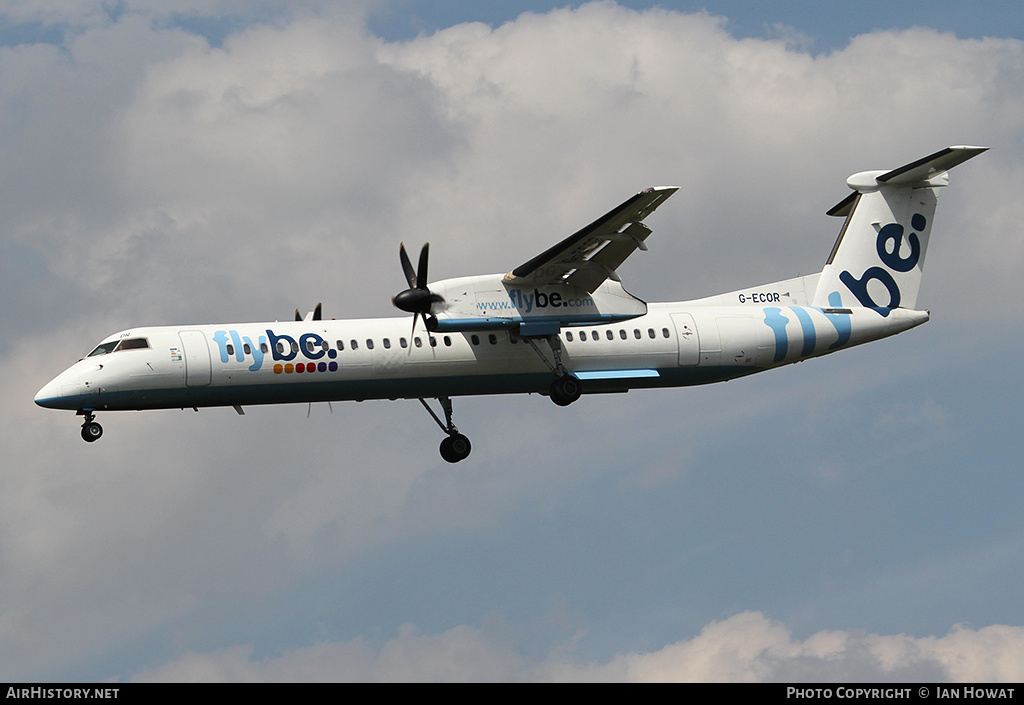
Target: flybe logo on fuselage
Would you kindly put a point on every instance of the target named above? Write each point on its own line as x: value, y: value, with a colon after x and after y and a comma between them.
x: 890, y: 235
x: 540, y: 299
x: 280, y: 348
x: 527, y: 302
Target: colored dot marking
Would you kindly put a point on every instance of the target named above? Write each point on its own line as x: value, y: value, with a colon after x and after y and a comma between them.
x: 301, y: 367
x: 278, y: 368
x: 332, y: 353
x: 918, y: 222
x: 289, y: 368
x: 333, y: 367
x: 321, y: 367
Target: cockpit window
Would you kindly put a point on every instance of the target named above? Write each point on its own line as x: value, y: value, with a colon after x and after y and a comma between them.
x: 103, y: 348
x: 132, y: 344
x: 118, y: 345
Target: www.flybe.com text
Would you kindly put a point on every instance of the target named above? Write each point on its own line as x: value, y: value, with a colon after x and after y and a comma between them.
x: 538, y: 299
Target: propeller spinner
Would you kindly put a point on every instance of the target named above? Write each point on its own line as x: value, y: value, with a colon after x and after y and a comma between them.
x: 417, y: 299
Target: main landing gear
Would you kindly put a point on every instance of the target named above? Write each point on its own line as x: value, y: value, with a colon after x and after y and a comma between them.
x: 456, y: 446
x: 566, y: 388
x: 91, y: 431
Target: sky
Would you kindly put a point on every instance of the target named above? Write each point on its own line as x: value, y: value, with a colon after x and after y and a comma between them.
x: 853, y: 518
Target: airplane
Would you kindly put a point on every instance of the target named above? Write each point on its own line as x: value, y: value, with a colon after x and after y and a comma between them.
x: 560, y: 324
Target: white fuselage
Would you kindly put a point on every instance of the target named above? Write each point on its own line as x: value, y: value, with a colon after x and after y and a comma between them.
x: 674, y: 344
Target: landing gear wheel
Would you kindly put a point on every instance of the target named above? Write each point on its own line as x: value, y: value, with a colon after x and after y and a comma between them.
x: 91, y: 431
x: 565, y: 390
x: 455, y: 448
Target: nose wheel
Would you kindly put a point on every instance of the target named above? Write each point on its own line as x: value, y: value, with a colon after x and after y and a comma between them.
x: 456, y: 446
x: 91, y: 431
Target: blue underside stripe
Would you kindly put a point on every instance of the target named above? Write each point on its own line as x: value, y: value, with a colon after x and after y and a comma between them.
x: 617, y: 374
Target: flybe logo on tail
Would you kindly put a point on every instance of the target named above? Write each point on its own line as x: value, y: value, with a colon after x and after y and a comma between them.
x: 282, y: 348
x: 888, y: 245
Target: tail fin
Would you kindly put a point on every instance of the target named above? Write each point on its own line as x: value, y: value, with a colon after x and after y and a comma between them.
x: 879, y: 256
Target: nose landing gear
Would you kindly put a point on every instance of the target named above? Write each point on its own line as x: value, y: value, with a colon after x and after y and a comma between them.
x: 456, y: 446
x: 91, y: 431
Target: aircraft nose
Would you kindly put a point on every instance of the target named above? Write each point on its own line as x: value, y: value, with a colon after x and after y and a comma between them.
x: 49, y: 396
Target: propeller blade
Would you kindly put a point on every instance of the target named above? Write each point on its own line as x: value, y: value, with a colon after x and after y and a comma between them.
x: 317, y: 311
x: 410, y: 273
x: 298, y: 316
x: 417, y: 299
x: 412, y: 334
x: 421, y: 272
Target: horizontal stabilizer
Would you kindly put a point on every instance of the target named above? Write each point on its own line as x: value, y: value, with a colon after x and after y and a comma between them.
x: 924, y: 169
x: 927, y: 171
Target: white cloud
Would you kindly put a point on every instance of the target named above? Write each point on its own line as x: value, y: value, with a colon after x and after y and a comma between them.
x: 747, y: 647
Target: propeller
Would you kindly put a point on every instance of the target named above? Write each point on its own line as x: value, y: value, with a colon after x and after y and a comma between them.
x: 417, y: 299
x: 313, y: 315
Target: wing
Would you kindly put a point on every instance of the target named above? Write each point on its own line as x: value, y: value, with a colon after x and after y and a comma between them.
x: 588, y: 257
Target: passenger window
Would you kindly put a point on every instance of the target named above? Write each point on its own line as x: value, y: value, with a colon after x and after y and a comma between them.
x: 280, y: 346
x: 247, y: 349
x: 387, y: 343
x: 583, y: 335
x: 354, y: 344
x: 608, y: 334
x: 636, y: 333
x: 492, y: 339
x: 231, y: 349
x: 650, y: 332
x: 447, y: 341
x: 622, y: 333
x: 341, y: 345
x: 369, y: 343
x: 433, y: 342
x: 568, y: 336
x: 403, y: 342
x: 295, y: 347
x: 417, y: 342
x: 474, y: 339
x: 309, y: 346
x: 664, y: 332
x: 264, y: 349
